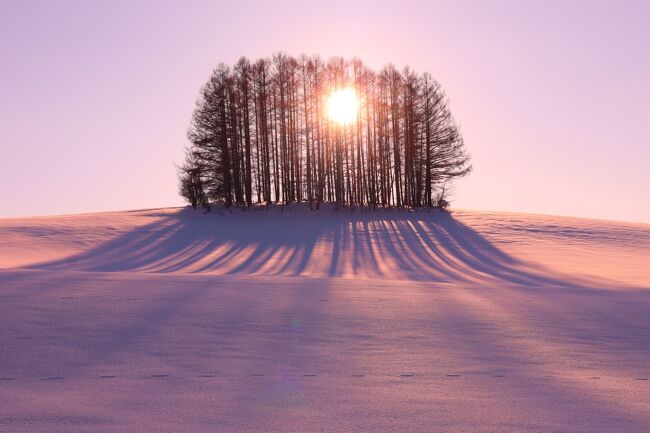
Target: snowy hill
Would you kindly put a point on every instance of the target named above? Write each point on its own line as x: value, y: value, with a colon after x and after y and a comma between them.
x: 425, y: 245
x: 297, y: 320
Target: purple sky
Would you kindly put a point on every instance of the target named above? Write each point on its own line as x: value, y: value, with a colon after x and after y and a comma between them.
x: 552, y: 97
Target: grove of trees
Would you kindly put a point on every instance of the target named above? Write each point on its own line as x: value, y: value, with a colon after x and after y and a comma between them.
x: 260, y: 133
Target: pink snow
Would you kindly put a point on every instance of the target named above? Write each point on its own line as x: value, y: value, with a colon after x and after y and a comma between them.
x: 292, y: 320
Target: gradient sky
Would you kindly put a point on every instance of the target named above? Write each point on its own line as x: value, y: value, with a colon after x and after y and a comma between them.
x: 552, y: 97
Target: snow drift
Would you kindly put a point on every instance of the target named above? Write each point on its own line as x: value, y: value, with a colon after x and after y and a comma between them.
x: 294, y: 320
x: 426, y: 245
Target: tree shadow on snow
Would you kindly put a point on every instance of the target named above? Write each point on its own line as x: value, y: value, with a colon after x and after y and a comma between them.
x: 419, y: 246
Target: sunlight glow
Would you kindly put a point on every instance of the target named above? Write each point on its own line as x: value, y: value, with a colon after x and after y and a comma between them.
x: 342, y: 106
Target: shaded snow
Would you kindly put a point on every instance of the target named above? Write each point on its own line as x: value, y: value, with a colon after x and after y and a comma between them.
x: 299, y: 321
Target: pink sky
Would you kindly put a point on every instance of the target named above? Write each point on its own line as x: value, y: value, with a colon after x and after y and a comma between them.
x: 552, y: 97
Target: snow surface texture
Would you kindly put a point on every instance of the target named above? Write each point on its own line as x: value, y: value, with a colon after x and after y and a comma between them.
x: 291, y: 320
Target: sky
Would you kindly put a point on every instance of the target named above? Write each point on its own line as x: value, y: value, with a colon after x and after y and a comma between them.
x: 551, y: 96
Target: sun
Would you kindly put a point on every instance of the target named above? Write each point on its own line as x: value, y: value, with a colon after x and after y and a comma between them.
x: 342, y: 105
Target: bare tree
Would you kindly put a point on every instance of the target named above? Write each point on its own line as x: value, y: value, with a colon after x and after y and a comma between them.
x: 260, y: 132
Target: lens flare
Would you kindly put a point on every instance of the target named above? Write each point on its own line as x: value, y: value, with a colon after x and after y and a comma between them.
x: 342, y: 106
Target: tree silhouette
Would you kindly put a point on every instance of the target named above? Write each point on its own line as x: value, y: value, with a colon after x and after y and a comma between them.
x: 260, y: 133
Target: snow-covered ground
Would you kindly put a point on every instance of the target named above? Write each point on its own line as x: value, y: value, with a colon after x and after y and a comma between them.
x: 170, y: 320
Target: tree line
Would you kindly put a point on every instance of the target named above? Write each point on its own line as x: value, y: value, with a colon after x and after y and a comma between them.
x: 260, y: 133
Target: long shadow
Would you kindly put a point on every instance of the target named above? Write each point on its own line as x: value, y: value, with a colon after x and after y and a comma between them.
x: 420, y: 246
x: 431, y: 247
